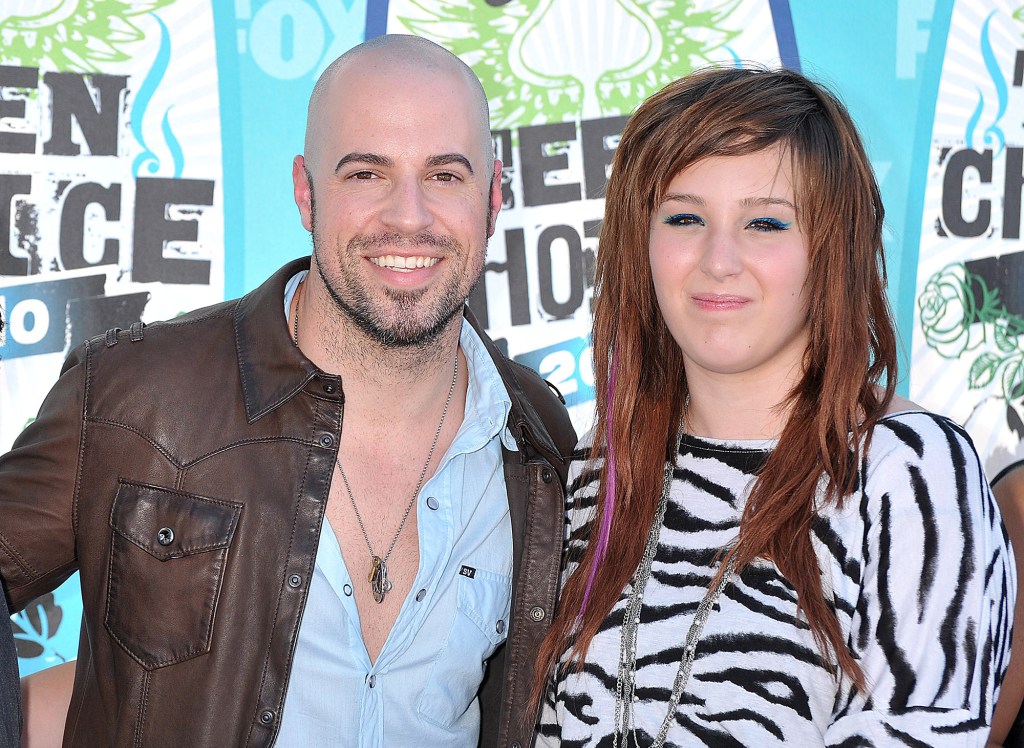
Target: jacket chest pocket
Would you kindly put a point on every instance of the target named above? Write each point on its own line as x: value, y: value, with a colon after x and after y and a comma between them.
x: 167, y: 557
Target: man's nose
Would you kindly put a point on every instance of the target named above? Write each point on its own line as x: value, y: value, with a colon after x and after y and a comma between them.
x: 406, y: 209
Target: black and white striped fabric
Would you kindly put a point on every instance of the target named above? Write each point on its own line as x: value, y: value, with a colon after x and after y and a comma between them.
x: 917, y: 564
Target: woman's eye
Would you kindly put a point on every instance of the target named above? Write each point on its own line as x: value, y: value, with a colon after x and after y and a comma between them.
x: 684, y: 219
x: 768, y: 224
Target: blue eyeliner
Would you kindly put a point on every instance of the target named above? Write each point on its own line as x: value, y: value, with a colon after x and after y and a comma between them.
x: 769, y: 224
x: 683, y: 219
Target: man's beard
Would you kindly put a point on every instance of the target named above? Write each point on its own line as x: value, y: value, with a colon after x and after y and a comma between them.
x: 405, y: 328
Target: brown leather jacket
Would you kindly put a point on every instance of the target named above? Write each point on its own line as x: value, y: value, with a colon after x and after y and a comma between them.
x: 184, y: 469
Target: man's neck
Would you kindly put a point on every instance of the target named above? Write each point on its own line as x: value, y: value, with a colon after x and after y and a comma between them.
x: 405, y: 381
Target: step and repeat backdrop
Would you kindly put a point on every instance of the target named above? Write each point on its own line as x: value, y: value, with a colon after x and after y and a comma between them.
x: 145, y: 161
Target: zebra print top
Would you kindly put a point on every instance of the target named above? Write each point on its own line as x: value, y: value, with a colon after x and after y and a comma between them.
x: 917, y: 565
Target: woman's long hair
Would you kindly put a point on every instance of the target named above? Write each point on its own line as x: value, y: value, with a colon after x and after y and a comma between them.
x: 849, y: 369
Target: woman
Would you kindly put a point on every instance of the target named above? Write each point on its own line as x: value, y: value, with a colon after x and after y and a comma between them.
x: 752, y: 488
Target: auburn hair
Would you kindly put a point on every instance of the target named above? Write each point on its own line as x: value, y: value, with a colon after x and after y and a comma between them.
x: 849, y: 367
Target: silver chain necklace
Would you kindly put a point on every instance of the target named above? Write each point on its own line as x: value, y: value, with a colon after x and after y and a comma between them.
x: 380, y: 585
x: 625, y: 683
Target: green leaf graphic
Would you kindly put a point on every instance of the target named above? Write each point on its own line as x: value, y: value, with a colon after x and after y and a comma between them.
x: 983, y: 370
x: 1013, y: 378
x: 82, y: 36
x: 520, y: 92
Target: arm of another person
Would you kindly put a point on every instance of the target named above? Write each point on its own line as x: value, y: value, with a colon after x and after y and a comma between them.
x: 931, y: 623
x: 1009, y: 493
x: 10, y: 709
x: 45, y: 697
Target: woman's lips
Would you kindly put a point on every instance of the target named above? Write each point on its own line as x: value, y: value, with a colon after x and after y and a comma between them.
x: 719, y: 302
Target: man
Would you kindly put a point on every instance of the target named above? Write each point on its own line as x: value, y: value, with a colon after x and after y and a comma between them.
x: 10, y: 708
x: 323, y: 514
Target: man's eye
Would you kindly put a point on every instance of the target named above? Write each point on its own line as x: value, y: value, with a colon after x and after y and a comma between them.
x: 768, y: 225
x: 684, y: 219
x: 363, y: 175
x: 445, y: 176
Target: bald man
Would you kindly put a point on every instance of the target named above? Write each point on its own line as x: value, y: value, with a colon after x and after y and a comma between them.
x: 330, y: 512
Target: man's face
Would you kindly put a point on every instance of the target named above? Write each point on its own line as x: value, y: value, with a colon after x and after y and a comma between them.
x: 404, y: 199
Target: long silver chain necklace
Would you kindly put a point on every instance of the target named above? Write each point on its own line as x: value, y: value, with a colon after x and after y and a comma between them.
x: 625, y: 683
x: 380, y: 585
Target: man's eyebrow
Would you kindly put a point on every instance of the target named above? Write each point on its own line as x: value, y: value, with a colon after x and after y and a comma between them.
x: 376, y: 159
x: 450, y: 158
x: 373, y: 159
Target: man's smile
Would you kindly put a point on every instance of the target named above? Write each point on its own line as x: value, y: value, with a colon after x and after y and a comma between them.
x: 398, y: 262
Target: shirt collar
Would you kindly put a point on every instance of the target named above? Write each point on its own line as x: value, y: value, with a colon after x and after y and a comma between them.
x: 273, y: 370
x: 487, y: 400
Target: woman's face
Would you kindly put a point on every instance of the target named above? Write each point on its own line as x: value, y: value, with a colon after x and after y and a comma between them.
x: 729, y: 263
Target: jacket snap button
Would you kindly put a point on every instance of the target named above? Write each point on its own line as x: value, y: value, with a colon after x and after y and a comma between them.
x: 266, y: 716
x: 326, y: 440
x: 165, y: 536
x: 329, y: 388
x: 537, y: 613
x: 545, y: 475
x: 515, y: 744
x: 294, y: 581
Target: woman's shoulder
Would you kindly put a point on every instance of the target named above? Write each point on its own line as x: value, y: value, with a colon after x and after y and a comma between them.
x: 925, y: 452
x: 906, y: 426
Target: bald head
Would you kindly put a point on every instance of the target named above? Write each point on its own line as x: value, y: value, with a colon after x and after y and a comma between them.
x: 393, y: 54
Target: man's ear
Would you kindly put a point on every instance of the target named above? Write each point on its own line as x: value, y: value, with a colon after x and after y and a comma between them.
x: 495, y: 197
x: 303, y: 191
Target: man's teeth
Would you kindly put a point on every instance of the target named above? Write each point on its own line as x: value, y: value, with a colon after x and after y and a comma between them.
x: 398, y: 262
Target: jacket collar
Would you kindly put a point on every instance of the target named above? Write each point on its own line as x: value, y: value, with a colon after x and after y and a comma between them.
x: 273, y: 370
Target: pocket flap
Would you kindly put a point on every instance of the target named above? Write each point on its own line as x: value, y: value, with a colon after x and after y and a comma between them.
x: 171, y: 524
x: 486, y: 600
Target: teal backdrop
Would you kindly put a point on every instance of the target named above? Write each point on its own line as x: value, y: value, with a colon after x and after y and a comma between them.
x: 145, y: 169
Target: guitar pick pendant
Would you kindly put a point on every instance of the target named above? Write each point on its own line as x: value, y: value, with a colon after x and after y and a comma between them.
x: 379, y: 582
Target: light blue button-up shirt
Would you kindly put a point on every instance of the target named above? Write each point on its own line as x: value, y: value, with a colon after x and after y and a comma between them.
x: 422, y: 688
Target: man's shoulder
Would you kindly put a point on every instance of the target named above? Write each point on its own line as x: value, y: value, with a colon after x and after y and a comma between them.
x: 171, y: 341
x: 198, y: 334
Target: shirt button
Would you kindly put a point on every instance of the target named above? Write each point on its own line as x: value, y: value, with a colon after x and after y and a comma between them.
x: 420, y: 595
x: 165, y: 536
x: 372, y: 681
x: 545, y: 475
x: 348, y: 589
x: 326, y: 440
x: 294, y: 581
x: 266, y: 717
x: 500, y: 627
x: 431, y: 503
x: 537, y: 613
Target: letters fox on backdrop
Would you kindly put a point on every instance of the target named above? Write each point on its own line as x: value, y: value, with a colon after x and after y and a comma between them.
x: 145, y: 156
